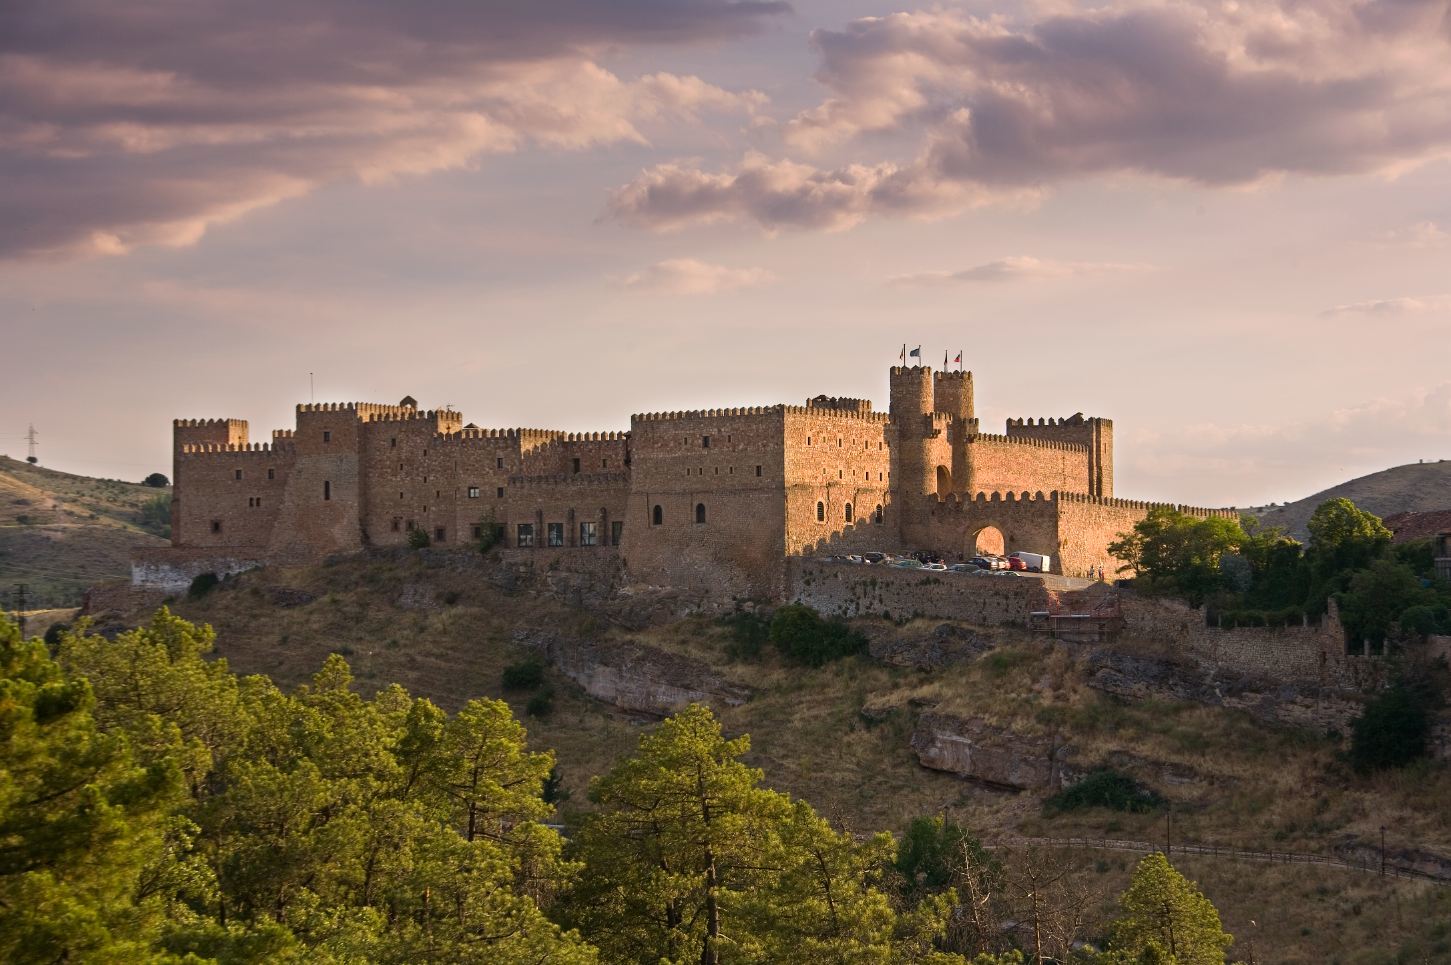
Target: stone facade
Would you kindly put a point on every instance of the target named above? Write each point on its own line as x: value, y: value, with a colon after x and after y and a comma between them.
x: 712, y: 502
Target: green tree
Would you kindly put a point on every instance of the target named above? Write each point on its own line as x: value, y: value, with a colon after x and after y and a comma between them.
x: 688, y: 859
x: 1344, y: 537
x: 1372, y: 606
x: 1394, y: 728
x: 1166, y: 914
x: 83, y: 822
x: 156, y: 481
x: 1179, y: 554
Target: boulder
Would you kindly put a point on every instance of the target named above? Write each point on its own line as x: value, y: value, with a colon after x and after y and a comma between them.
x: 990, y: 754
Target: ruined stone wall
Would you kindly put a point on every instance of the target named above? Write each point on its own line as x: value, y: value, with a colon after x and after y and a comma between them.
x: 173, y: 568
x: 838, y: 470
x: 1000, y: 464
x: 1310, y: 653
x: 738, y: 480
x: 848, y: 591
x: 229, y: 496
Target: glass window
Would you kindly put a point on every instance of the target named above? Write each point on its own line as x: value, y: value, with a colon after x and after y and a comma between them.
x: 758, y: 470
x: 272, y: 474
x: 877, y: 516
x: 238, y: 474
x: 589, y: 534
x: 705, y: 442
x: 438, y: 534
x: 327, y: 435
x: 501, y: 492
x: 526, y: 535
x: 556, y: 534
x: 498, y: 462
x: 473, y: 492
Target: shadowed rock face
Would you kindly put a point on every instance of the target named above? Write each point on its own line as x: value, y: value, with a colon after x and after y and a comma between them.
x: 989, y: 754
x: 633, y: 676
x: 942, y: 646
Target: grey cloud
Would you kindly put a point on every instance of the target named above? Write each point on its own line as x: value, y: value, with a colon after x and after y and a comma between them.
x: 133, y: 123
x: 1216, y: 94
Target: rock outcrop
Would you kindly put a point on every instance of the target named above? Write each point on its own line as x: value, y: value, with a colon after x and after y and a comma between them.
x: 634, y: 676
x: 942, y: 646
x: 989, y: 754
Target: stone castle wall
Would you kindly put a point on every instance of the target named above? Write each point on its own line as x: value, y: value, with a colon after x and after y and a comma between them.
x: 1000, y: 464
x: 850, y: 591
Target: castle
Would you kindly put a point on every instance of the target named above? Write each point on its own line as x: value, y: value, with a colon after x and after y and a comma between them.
x: 713, y: 501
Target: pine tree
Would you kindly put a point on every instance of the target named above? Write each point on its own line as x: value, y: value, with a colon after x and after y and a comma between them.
x: 1165, y: 914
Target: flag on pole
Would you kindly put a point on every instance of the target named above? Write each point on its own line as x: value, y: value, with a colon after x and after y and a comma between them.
x: 958, y: 360
x: 916, y: 353
x: 904, y: 353
x: 944, y: 360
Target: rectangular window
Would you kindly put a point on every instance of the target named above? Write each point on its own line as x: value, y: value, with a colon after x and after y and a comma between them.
x: 238, y: 473
x: 478, y: 532
x: 473, y: 492
x: 327, y: 435
x: 272, y: 474
x: 526, y: 535
x: 556, y: 534
x: 604, y: 464
x: 393, y: 443
x: 589, y: 534
x: 501, y: 492
x: 438, y: 534
x: 327, y: 489
x: 411, y: 526
x: 617, y: 529
x: 499, y: 462
x: 758, y: 470
x: 216, y: 526
x: 705, y: 442
x: 574, y: 464
x: 397, y: 524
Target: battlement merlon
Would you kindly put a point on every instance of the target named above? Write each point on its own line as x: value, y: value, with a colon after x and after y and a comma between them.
x: 208, y: 432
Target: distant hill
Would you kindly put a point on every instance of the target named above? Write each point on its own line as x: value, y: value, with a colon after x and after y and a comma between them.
x: 1417, y: 488
x: 61, y: 533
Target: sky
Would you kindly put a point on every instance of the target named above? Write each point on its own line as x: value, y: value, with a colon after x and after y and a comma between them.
x: 1224, y: 225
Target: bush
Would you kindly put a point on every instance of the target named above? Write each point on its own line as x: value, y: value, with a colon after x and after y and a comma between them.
x: 156, y: 481
x: 201, y: 585
x: 935, y: 852
x: 749, y: 634
x: 525, y: 675
x: 541, y: 705
x: 54, y: 632
x: 1395, y: 728
x: 418, y: 539
x: 1105, y: 788
x: 803, y: 637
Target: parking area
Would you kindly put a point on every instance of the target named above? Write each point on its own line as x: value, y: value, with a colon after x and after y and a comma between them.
x: 981, y: 567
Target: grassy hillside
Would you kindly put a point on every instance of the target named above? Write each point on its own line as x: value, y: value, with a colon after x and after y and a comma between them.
x: 839, y: 737
x: 1417, y: 488
x: 61, y: 533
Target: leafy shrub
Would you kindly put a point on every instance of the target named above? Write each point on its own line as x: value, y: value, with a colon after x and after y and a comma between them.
x: 804, y: 637
x: 1106, y: 788
x: 155, y: 516
x: 201, y: 585
x: 418, y: 539
x: 749, y: 634
x: 54, y: 632
x: 935, y: 852
x: 541, y: 705
x: 156, y: 481
x: 1395, y: 728
x: 525, y: 675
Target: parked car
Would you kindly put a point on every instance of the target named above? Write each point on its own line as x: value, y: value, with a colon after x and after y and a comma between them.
x: 874, y: 557
x: 981, y: 562
x: 907, y: 564
x: 1014, y: 563
x: 939, y: 567
x: 1037, y: 562
x: 964, y: 568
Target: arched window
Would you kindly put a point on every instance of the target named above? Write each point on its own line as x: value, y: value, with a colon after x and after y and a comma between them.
x: 877, y: 516
x: 848, y: 512
x: 657, y: 517
x: 821, y: 512
x: 700, y: 512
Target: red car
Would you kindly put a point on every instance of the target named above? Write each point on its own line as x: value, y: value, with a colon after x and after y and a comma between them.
x: 1016, y: 564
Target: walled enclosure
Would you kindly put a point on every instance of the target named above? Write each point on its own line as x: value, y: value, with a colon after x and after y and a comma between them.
x: 713, y: 502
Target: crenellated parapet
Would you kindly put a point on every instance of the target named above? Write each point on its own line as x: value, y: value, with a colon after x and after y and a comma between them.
x: 1198, y: 511
x: 209, y: 423
x: 753, y: 410
x: 829, y: 412
x: 255, y: 448
x: 990, y: 438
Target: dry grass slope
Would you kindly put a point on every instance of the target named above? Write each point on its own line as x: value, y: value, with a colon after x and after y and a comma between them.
x: 442, y: 631
x: 61, y: 533
x: 1417, y: 488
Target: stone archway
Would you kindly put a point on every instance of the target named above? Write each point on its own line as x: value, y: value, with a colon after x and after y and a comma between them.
x: 944, y: 482
x: 989, y: 540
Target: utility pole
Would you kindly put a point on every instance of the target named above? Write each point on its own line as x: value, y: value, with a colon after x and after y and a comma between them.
x: 30, y: 438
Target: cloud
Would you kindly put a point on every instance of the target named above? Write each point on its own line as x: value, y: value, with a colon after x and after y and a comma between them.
x: 1393, y: 306
x: 1014, y: 268
x: 1422, y: 234
x: 688, y: 276
x: 1219, y: 94
x: 1302, y: 457
x: 133, y: 124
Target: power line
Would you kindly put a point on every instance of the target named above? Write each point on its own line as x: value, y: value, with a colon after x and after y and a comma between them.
x: 30, y: 438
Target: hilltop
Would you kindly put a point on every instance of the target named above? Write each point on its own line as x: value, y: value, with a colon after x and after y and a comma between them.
x: 1417, y: 488
x: 61, y: 533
